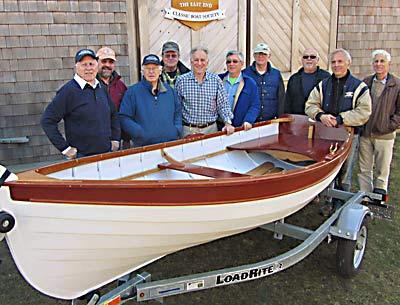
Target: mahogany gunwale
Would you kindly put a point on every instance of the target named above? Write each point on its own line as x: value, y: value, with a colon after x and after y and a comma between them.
x: 100, y: 157
x: 174, y: 192
x: 177, y: 192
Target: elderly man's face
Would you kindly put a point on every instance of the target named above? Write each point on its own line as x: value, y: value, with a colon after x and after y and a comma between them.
x: 381, y: 65
x: 151, y: 72
x: 340, y: 64
x: 87, y: 68
x: 309, y: 60
x: 170, y: 60
x: 234, y: 65
x: 261, y: 58
x: 106, y: 67
x: 199, y: 62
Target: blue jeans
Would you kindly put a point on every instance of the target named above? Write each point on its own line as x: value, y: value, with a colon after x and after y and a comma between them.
x: 346, y: 172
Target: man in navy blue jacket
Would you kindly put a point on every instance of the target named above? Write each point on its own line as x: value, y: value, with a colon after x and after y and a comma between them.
x: 269, y: 82
x: 242, y: 92
x: 90, y: 119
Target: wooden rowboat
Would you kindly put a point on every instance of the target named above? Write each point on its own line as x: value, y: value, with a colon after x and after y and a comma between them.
x: 83, y: 223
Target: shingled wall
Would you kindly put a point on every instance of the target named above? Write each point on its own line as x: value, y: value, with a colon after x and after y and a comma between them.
x: 366, y: 25
x: 38, y: 41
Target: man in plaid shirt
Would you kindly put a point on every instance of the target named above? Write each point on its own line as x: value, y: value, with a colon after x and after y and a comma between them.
x: 203, y: 97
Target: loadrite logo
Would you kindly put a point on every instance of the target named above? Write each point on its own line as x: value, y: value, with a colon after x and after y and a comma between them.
x: 194, y: 14
x: 247, y: 274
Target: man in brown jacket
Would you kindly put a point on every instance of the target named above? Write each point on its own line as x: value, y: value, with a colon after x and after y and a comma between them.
x: 378, y: 135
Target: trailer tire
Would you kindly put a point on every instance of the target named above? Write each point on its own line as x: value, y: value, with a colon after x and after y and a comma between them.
x: 7, y: 222
x: 350, y: 253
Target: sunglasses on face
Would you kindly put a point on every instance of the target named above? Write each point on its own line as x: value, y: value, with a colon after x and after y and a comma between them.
x: 235, y: 61
x: 309, y: 56
x: 170, y: 55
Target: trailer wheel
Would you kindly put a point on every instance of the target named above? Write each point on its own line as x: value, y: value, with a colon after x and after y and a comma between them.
x: 7, y: 222
x: 350, y: 253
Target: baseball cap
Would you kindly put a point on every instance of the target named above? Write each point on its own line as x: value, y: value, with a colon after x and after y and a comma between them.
x: 170, y: 46
x: 84, y: 52
x: 151, y: 59
x: 106, y: 53
x: 262, y: 48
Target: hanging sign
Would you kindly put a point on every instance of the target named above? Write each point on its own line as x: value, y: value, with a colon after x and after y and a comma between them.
x: 194, y: 14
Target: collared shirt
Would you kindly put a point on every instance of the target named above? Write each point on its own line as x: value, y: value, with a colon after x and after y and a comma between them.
x: 202, y: 103
x: 231, y: 89
x: 383, y: 81
x: 82, y: 83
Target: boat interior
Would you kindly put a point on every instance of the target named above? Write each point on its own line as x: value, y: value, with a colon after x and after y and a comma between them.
x: 259, y: 151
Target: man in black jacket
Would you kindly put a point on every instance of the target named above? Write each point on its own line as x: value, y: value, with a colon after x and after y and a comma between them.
x: 302, y: 82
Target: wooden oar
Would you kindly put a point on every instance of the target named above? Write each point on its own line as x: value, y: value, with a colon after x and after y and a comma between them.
x: 261, y: 169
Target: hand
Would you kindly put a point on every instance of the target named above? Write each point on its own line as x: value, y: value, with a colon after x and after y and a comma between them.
x: 247, y: 126
x: 228, y: 128
x: 70, y: 152
x: 328, y: 120
x: 114, y: 145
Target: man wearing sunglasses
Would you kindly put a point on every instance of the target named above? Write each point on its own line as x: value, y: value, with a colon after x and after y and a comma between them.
x: 172, y: 66
x: 341, y: 99
x: 269, y: 82
x: 242, y: 92
x: 302, y: 82
x: 89, y: 115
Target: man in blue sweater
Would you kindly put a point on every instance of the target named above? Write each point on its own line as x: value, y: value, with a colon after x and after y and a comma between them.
x: 150, y: 111
x: 90, y: 119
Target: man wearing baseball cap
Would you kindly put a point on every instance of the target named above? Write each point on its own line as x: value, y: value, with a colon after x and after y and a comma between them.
x: 90, y: 118
x: 172, y: 66
x: 269, y: 82
x: 150, y: 110
x: 112, y: 81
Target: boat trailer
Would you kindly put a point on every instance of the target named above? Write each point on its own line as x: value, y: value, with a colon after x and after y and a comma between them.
x: 347, y: 225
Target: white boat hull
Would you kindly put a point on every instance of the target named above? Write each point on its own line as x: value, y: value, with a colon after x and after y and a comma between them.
x: 66, y: 251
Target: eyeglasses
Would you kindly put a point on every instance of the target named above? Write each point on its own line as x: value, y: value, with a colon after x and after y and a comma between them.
x: 170, y: 55
x: 229, y: 61
x: 88, y: 64
x: 309, y: 56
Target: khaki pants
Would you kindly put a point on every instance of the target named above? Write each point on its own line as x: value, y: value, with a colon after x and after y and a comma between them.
x: 193, y: 130
x: 375, y: 154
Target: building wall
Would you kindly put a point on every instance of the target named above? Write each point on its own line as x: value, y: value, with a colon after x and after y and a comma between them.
x: 367, y: 25
x: 38, y: 41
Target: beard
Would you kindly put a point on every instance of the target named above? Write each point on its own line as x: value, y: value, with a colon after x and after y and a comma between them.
x: 106, y: 73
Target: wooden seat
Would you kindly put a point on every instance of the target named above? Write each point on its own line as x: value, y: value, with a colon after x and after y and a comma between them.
x: 200, y: 170
x: 288, y: 146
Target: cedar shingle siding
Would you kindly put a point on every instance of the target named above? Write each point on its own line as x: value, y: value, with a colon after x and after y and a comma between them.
x: 38, y: 41
x: 367, y: 25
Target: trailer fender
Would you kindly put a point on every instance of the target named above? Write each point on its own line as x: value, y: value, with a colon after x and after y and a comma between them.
x: 349, y: 221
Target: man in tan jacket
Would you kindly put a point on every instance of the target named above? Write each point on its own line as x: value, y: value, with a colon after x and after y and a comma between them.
x: 341, y: 99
